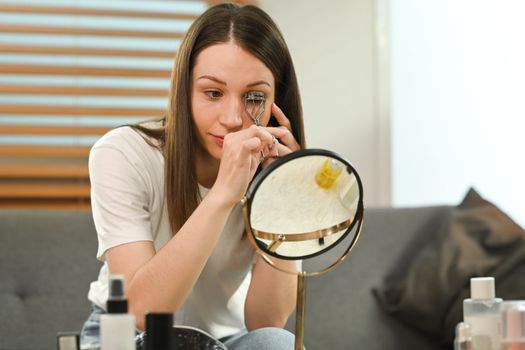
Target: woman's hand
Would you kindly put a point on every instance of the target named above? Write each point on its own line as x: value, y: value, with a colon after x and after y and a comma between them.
x: 286, y: 143
x: 242, y: 152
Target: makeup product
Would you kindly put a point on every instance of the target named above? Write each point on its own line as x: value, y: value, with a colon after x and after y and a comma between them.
x: 158, y: 331
x: 117, y: 327
x: 254, y: 105
x: 463, y: 339
x: 68, y: 341
x: 326, y: 176
x: 482, y: 312
x: 328, y: 173
x: 513, y: 325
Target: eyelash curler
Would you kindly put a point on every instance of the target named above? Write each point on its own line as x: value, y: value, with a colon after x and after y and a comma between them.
x: 254, y: 105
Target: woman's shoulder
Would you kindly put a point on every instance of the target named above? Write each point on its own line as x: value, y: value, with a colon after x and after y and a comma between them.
x: 127, y: 139
x: 127, y: 145
x: 125, y: 150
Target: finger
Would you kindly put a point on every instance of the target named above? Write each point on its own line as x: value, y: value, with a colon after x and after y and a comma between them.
x: 251, y: 149
x: 250, y: 145
x: 274, y: 142
x: 263, y: 156
x: 266, y: 136
x: 281, y: 118
x: 283, y: 150
x: 259, y: 147
x: 272, y: 151
x: 288, y: 140
x: 279, y: 151
x: 268, y: 161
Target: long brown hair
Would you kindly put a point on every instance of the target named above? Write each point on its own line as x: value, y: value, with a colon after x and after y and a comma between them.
x: 254, y: 31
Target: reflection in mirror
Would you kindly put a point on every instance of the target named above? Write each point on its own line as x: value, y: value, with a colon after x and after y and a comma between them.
x: 304, y: 206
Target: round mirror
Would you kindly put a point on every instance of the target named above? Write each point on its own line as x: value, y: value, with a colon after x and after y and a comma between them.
x: 304, y: 204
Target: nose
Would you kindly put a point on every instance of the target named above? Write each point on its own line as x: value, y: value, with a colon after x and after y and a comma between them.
x: 231, y: 117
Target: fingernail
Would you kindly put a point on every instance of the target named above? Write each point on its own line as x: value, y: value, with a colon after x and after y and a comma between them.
x: 274, y: 142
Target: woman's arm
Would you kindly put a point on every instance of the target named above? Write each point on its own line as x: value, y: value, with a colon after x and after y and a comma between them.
x: 161, y: 281
x: 271, y: 295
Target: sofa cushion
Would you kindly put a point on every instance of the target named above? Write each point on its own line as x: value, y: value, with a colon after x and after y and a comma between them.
x: 341, y: 311
x: 426, y: 286
x: 47, y: 260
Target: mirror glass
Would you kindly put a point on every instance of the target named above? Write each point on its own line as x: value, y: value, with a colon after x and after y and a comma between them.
x: 304, y: 204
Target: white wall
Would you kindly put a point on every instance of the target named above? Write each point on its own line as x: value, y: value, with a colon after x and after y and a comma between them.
x: 455, y: 102
x: 333, y: 46
x: 458, y: 101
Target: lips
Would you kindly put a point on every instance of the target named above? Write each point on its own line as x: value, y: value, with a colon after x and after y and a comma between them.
x: 218, y: 139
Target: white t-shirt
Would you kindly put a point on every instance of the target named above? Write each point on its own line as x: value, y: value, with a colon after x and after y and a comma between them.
x: 128, y: 203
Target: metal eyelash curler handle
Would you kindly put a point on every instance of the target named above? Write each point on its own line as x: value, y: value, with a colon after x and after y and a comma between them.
x: 254, y: 105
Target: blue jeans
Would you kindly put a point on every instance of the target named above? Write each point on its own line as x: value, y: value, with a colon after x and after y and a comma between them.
x: 269, y: 338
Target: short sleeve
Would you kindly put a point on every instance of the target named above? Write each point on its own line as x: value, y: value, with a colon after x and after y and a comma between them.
x: 119, y: 198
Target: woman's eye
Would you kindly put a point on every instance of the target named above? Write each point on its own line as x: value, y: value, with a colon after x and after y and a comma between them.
x: 254, y: 99
x: 255, y: 96
x: 213, y: 94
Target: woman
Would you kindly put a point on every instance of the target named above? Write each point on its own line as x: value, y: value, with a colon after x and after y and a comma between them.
x: 165, y: 194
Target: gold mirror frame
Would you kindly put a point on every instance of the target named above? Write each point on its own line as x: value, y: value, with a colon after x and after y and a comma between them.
x: 353, y: 223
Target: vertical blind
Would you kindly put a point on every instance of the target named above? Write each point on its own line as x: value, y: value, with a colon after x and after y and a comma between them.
x: 70, y: 71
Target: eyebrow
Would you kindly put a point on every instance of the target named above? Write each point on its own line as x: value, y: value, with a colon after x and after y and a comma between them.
x: 263, y: 82
x: 210, y: 77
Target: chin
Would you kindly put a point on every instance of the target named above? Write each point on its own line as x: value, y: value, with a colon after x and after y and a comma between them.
x: 215, y: 153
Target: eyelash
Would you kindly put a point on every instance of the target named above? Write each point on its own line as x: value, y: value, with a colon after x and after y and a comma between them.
x: 211, y: 93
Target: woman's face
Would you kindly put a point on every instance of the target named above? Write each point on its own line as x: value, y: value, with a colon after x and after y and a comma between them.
x: 222, y: 76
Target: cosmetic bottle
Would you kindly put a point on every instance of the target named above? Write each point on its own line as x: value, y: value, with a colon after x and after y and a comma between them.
x: 68, y: 341
x: 482, y: 313
x: 463, y: 340
x: 158, y: 330
x: 328, y: 173
x: 117, y: 327
x: 513, y: 325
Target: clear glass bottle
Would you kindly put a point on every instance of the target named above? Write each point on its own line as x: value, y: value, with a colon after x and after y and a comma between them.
x: 482, y: 313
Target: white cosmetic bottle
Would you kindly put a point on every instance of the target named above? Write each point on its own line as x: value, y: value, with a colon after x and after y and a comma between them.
x: 482, y: 312
x: 117, y: 327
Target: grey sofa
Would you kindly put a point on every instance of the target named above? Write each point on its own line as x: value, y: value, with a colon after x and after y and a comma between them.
x: 47, y: 260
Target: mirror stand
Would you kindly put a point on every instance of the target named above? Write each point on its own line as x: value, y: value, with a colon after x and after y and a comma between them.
x: 299, y: 207
x: 299, y: 310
